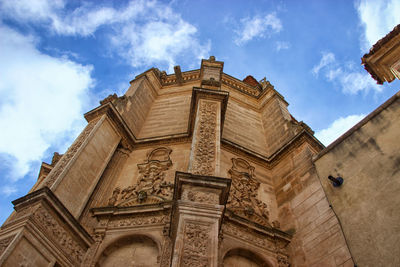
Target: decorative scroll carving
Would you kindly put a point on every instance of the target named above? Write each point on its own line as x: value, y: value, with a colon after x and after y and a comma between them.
x: 250, y: 237
x: 62, y: 163
x: 4, y: 243
x: 195, y: 248
x: 137, y: 220
x: 204, y: 150
x: 201, y: 197
x: 57, y: 232
x: 243, y: 194
x: 151, y: 186
x: 283, y: 260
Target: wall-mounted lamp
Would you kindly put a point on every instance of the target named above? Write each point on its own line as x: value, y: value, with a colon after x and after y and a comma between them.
x: 338, y: 181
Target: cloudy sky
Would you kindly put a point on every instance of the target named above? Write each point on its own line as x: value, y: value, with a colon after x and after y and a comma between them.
x: 59, y: 58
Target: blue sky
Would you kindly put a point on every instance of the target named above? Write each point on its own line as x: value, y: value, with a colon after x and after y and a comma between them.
x: 58, y: 58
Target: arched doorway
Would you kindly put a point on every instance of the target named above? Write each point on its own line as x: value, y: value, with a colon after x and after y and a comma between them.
x: 130, y: 251
x: 243, y: 258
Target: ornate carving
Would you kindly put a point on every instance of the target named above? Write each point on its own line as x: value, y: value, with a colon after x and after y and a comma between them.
x: 59, y: 235
x: 137, y: 220
x: 151, y: 186
x: 243, y: 193
x: 65, y: 159
x: 283, y: 260
x: 204, y: 150
x: 166, y: 253
x: 5, y: 242
x: 247, y: 236
x: 201, y: 197
x: 195, y: 248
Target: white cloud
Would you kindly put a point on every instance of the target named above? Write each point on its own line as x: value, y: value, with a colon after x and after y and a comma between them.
x: 257, y: 27
x: 142, y: 32
x: 345, y: 75
x: 378, y: 18
x: 8, y: 190
x: 282, y: 45
x: 337, y: 128
x: 327, y: 58
x: 41, y: 99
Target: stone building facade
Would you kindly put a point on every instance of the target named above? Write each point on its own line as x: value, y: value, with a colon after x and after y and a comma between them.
x: 195, y: 168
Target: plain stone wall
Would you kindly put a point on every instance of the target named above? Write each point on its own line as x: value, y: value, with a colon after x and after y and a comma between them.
x: 243, y: 126
x: 78, y: 183
x: 137, y: 105
x: 276, y: 122
x: 367, y: 204
x: 168, y: 115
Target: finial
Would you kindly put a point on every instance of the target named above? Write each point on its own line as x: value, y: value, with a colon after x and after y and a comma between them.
x: 212, y: 58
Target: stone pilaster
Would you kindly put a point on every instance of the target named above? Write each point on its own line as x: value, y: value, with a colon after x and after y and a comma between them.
x: 209, y: 108
x: 200, y: 202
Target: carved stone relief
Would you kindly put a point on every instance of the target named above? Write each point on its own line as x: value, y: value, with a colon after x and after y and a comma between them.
x: 195, y: 245
x: 194, y: 195
x: 243, y: 199
x: 4, y: 243
x: 166, y: 252
x: 151, y: 186
x: 249, y: 236
x: 205, y: 146
x: 58, y: 234
x: 137, y: 220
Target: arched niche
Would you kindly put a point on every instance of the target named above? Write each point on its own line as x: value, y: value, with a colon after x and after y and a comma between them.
x: 137, y: 250
x: 239, y: 257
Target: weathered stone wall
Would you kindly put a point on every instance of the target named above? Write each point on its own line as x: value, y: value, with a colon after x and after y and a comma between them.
x: 304, y: 210
x: 367, y: 204
x: 277, y: 124
x: 136, y: 105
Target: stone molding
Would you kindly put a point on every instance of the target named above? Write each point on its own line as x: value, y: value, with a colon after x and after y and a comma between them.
x: 108, y: 109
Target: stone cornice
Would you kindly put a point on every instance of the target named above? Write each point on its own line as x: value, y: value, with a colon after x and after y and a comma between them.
x: 382, y: 56
x: 108, y: 109
x: 302, y: 137
x: 269, y: 231
x: 145, y: 208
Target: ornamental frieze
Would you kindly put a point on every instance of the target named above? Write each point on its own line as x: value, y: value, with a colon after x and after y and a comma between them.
x: 243, y: 196
x: 250, y: 237
x: 138, y: 220
x: 151, y: 186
